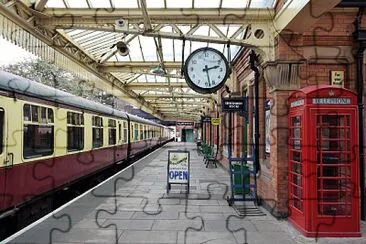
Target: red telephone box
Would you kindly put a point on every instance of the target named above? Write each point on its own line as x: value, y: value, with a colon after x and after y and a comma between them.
x: 324, y: 194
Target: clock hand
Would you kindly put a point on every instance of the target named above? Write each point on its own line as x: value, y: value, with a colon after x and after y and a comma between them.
x: 208, y: 77
x: 207, y: 69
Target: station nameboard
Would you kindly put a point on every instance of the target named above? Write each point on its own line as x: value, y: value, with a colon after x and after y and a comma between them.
x: 178, y: 168
x: 233, y: 104
x: 185, y: 123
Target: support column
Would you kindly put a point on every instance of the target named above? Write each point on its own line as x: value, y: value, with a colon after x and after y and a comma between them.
x: 282, y: 78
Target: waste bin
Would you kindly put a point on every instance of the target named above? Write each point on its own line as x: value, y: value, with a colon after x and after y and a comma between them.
x: 240, y: 174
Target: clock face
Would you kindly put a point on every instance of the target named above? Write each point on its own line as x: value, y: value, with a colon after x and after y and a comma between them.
x: 206, y: 70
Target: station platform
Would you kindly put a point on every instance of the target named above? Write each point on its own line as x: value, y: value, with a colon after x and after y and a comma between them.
x: 133, y: 207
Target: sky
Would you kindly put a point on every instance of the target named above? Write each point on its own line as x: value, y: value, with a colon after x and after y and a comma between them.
x: 10, y: 53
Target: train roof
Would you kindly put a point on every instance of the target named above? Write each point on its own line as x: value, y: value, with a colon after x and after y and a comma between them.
x: 14, y: 83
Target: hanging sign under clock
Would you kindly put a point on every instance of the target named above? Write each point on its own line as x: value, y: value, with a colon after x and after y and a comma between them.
x: 206, y: 70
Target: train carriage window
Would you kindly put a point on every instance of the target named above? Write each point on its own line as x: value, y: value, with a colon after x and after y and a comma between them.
x: 38, y: 136
x: 131, y: 132
x: 43, y: 115
x: 34, y: 110
x: 75, y: 131
x: 1, y: 130
x: 136, y: 137
x: 27, y: 112
x: 50, y: 116
x: 124, y: 132
x: 145, y: 132
x: 112, y: 131
x: 141, y: 132
x: 119, y: 132
x: 97, y: 123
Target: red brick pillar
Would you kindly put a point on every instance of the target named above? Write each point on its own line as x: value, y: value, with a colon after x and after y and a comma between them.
x: 279, y: 149
x: 273, y: 179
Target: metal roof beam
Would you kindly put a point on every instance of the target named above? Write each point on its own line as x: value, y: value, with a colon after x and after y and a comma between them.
x: 76, y: 16
x: 177, y: 96
x: 153, y: 85
x: 253, y: 40
x: 145, y: 14
x: 174, y: 109
x: 40, y: 5
x: 135, y: 66
x: 162, y: 102
x: 180, y: 105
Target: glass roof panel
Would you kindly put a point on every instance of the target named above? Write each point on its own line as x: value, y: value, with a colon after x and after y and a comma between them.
x: 146, y: 78
x: 155, y: 3
x: 160, y: 3
x: 196, y: 45
x: 150, y: 49
x: 100, y: 3
x: 179, y: 4
x: 206, y: 4
x: 202, y: 30
x: 135, y: 51
x: 167, y: 49
x: 184, y: 28
x: 234, y: 3
x: 261, y: 3
x: 178, y: 50
x: 232, y: 30
x: 125, y: 3
x: 219, y: 47
x: 55, y: 4
x: 166, y: 29
x: 78, y: 4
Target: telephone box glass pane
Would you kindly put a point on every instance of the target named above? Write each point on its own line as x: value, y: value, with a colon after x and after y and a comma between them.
x: 296, y: 191
x: 333, y: 165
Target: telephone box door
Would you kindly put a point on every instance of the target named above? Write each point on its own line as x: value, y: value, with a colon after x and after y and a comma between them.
x: 336, y: 170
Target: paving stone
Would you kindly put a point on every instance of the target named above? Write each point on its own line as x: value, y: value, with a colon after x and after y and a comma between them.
x: 117, y: 215
x: 230, y: 226
x: 202, y: 202
x: 205, y: 216
x: 87, y: 236
x: 206, y: 237
x: 130, y: 224
x: 161, y: 237
x: 267, y: 226
x: 90, y: 223
x: 263, y: 237
x: 161, y: 215
x: 181, y: 225
x: 217, y: 209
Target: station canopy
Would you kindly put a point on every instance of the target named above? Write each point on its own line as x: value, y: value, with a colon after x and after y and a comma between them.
x: 155, y: 32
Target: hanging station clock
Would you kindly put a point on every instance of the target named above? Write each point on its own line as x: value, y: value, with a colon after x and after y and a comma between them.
x: 206, y: 70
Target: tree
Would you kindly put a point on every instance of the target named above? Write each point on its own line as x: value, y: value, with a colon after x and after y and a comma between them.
x: 51, y: 75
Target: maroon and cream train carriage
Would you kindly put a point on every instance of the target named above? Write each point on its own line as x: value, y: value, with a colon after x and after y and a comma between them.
x: 49, y: 138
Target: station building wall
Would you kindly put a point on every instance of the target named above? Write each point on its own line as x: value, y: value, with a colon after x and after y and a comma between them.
x: 327, y: 46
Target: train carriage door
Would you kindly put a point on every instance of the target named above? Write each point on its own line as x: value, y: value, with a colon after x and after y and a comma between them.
x: 6, y: 159
x: 119, y: 132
